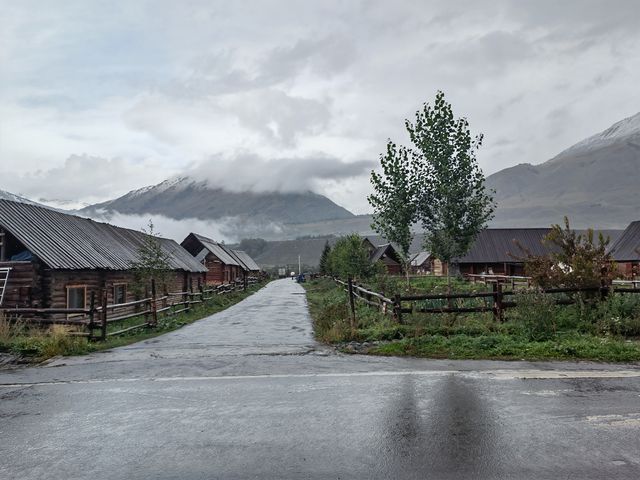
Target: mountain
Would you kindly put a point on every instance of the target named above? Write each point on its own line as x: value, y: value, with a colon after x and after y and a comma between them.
x: 185, y: 197
x: 4, y: 195
x: 594, y: 182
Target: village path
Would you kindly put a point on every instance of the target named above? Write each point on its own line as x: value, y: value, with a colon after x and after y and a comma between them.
x: 247, y: 393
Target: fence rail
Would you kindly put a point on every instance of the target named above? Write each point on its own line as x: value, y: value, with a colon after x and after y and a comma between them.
x: 493, y: 301
x: 97, y: 317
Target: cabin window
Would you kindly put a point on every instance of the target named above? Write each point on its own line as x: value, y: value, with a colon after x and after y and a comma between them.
x: 77, y: 296
x: 119, y: 293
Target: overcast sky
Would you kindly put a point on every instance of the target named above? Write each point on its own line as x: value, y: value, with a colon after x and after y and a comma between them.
x: 100, y: 97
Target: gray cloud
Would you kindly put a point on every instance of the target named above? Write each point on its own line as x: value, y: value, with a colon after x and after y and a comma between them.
x: 175, y: 83
x: 249, y: 172
x: 83, y: 179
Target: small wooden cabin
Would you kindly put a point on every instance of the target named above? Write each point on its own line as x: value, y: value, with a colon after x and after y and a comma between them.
x: 56, y: 260
x: 386, y: 254
x: 495, y: 251
x: 626, y: 251
x: 423, y: 263
x: 223, y: 263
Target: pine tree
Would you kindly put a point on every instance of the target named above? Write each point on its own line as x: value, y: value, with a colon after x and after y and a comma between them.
x: 324, y: 259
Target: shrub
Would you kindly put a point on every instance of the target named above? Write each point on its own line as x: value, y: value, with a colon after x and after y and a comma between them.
x: 574, y: 260
x: 536, y: 313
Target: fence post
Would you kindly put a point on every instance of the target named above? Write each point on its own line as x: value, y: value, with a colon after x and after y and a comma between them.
x: 103, y: 314
x: 397, y: 307
x: 153, y: 305
x: 498, y: 311
x: 92, y: 311
x: 352, y: 305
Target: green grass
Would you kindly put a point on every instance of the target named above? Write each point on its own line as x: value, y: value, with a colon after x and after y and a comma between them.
x: 36, y: 345
x: 536, y: 330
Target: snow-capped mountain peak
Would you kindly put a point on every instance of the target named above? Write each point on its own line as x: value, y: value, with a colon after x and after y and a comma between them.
x: 626, y: 128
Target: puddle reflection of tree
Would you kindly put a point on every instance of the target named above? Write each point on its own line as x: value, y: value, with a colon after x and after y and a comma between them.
x: 443, y: 429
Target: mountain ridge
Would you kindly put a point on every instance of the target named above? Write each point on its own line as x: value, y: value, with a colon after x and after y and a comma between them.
x: 184, y: 197
x: 593, y: 182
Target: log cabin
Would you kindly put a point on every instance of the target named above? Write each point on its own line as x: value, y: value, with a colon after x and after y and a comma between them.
x: 223, y: 263
x: 56, y: 260
x: 385, y: 254
x: 625, y: 251
x: 495, y: 251
x: 423, y: 263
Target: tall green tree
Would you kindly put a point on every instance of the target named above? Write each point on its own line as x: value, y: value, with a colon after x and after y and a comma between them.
x: 324, y: 259
x: 453, y: 204
x: 394, y: 200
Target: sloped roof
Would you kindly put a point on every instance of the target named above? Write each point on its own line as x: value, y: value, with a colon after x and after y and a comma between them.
x: 218, y: 250
x: 247, y: 260
x: 64, y: 241
x: 383, y: 250
x: 498, y: 245
x: 625, y: 248
x: 419, y: 258
x: 232, y: 253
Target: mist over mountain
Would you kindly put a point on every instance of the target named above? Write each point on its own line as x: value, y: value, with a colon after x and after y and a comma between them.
x: 594, y: 182
x: 185, y: 197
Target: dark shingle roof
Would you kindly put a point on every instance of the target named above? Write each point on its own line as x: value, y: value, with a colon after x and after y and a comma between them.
x: 68, y: 242
x: 625, y: 248
x: 384, y: 250
x: 498, y: 245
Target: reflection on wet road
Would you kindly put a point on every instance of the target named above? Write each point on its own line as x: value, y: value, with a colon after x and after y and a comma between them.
x: 247, y: 394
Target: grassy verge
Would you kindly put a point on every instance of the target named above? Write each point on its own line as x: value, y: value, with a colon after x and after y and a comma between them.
x: 36, y: 344
x: 535, y: 330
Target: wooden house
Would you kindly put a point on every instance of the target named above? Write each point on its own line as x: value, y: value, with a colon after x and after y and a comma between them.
x: 385, y: 254
x: 223, y: 263
x: 495, y: 251
x: 222, y: 266
x: 423, y: 263
x: 252, y: 267
x: 625, y: 251
x: 56, y: 260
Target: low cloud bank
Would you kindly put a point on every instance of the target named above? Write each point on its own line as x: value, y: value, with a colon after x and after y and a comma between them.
x: 249, y: 172
x: 227, y: 229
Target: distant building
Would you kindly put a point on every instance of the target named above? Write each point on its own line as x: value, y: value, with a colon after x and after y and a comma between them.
x: 500, y: 251
x: 385, y: 254
x: 626, y: 250
x: 423, y: 263
x: 223, y: 263
x: 57, y: 260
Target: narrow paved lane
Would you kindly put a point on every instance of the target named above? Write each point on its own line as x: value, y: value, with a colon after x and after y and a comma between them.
x: 246, y: 393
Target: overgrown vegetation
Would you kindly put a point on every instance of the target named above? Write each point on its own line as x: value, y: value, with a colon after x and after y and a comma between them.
x: 574, y: 260
x: 37, y: 344
x: 607, y: 330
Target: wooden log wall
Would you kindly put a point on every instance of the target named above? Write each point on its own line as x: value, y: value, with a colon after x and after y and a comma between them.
x: 24, y: 285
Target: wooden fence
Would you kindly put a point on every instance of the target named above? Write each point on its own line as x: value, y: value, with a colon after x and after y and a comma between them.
x: 495, y: 301
x: 99, y: 315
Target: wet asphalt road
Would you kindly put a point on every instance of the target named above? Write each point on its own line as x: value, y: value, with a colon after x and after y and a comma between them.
x: 246, y: 393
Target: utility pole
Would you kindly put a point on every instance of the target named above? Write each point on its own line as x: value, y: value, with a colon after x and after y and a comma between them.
x: 299, y: 266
